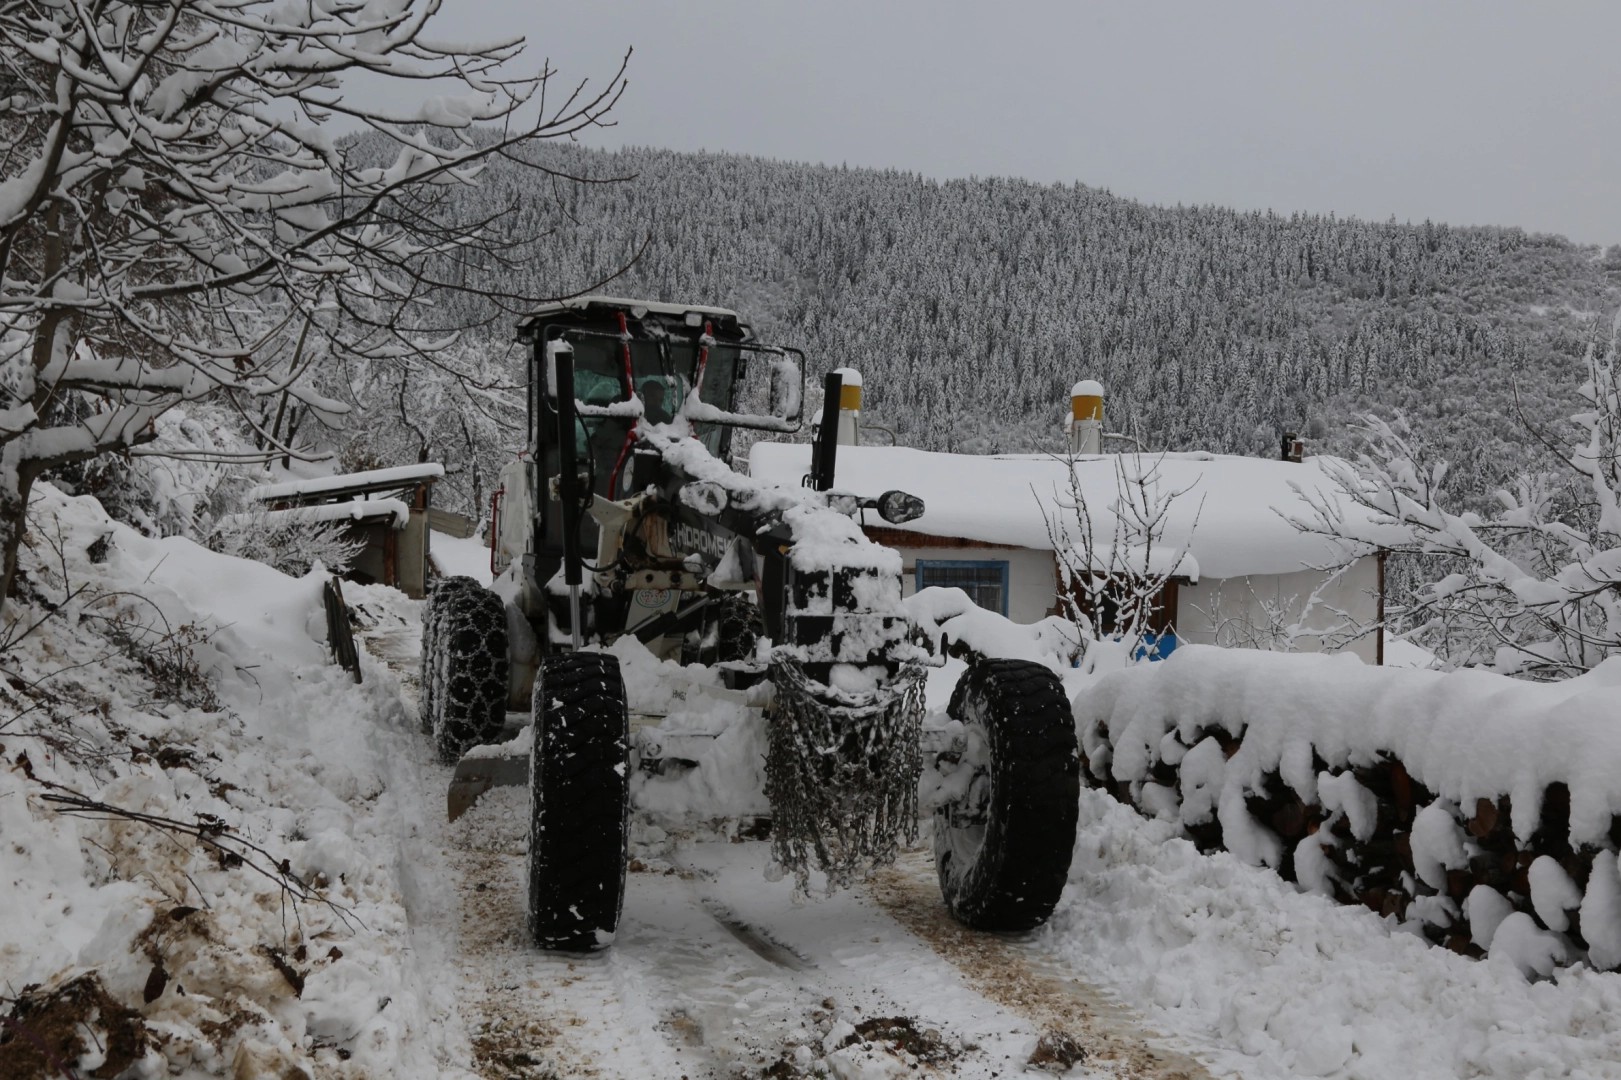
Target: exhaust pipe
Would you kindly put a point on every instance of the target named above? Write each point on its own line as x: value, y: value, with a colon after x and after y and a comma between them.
x: 1086, y: 417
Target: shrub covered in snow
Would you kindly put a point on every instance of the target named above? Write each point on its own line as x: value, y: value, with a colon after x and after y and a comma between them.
x: 1533, y: 588
x: 180, y: 482
x: 291, y: 543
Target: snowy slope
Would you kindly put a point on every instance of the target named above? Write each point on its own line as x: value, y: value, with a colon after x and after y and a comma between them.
x: 221, y: 967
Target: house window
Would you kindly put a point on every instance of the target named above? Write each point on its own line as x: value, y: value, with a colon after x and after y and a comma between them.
x: 985, y: 582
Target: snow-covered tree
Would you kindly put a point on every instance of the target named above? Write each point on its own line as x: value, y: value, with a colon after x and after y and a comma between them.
x: 462, y: 408
x: 178, y: 219
x: 1114, y: 561
x: 1536, y: 588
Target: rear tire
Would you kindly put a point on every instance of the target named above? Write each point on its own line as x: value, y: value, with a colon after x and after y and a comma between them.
x: 579, y: 802
x: 464, y: 666
x: 1002, y: 846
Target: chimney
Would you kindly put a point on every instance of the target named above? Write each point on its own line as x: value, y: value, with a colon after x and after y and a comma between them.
x: 849, y: 407
x: 1086, y: 417
x: 1294, y: 447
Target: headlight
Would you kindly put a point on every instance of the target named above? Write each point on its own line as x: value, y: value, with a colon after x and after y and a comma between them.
x: 704, y: 496
x: 844, y: 502
x: 897, y: 506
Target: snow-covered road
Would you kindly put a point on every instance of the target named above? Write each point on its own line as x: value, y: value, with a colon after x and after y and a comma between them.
x: 719, y: 973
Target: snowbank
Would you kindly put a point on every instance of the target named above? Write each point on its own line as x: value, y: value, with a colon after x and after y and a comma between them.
x: 1269, y: 983
x: 1426, y: 796
x: 253, y: 924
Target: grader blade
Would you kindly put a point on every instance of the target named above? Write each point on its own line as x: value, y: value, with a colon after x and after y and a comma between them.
x: 476, y: 775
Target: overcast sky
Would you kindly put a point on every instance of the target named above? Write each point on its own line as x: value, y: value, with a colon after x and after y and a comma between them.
x: 1464, y: 112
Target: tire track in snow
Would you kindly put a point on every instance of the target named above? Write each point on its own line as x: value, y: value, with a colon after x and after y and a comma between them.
x: 730, y: 995
x: 854, y: 960
x: 536, y: 1014
x: 1015, y: 973
x: 524, y: 1013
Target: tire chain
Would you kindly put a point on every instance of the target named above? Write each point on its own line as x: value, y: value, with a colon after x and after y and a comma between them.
x: 842, y: 779
x: 464, y: 666
x: 737, y: 626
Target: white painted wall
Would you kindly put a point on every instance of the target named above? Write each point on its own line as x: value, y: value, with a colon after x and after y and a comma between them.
x: 1032, y: 587
x: 1236, y: 611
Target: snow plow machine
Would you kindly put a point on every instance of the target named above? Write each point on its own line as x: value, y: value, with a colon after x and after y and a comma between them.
x: 632, y: 406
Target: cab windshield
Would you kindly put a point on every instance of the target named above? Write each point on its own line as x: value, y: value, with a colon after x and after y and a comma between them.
x: 662, y: 375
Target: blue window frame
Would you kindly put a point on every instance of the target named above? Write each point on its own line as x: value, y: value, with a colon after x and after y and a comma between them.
x: 984, y: 580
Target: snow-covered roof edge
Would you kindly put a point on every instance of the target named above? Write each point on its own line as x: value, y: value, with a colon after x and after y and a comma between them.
x: 400, y: 474
x: 580, y: 303
x: 393, y: 510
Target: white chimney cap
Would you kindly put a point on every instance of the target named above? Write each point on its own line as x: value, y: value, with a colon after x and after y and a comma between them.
x: 1087, y: 388
x: 850, y: 375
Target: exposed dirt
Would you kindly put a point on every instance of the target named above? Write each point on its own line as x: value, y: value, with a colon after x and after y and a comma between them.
x: 48, y: 1032
x: 901, y: 1034
x: 1057, y: 1052
x: 1078, y: 1020
x: 922, y: 1051
x: 510, y: 1041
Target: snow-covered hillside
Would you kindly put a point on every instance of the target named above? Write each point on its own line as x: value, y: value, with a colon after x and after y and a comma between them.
x: 240, y: 913
x: 278, y: 895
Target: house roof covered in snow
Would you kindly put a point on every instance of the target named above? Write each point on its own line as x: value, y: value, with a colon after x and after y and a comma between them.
x: 1228, y: 511
x: 321, y: 488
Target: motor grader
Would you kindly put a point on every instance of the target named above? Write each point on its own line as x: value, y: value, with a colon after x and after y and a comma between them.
x: 624, y: 517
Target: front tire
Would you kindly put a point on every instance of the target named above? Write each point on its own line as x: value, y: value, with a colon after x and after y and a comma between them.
x: 579, y: 802
x: 1002, y: 845
x: 464, y: 666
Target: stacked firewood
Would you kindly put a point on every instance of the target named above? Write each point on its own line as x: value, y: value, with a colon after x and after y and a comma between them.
x: 1370, y: 859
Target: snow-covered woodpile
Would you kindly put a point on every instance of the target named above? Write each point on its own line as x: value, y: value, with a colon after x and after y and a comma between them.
x: 1481, y: 811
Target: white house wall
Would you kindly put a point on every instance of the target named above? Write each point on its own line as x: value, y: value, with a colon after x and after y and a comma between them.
x: 1032, y: 586
x: 1235, y: 611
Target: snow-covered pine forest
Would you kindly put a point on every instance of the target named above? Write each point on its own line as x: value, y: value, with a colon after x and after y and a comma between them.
x: 972, y: 306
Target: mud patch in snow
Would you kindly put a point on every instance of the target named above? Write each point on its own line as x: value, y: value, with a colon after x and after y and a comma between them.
x: 880, y: 1046
x: 1008, y: 971
x: 47, y: 1029
x: 900, y: 1035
